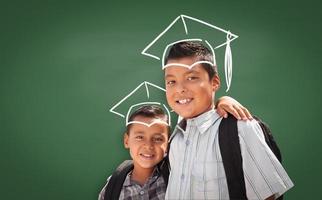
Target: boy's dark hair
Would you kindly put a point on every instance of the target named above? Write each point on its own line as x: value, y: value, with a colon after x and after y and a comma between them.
x: 150, y: 111
x: 193, y: 49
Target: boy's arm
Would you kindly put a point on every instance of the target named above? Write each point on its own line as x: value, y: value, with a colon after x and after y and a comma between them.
x: 265, y: 177
x: 227, y: 105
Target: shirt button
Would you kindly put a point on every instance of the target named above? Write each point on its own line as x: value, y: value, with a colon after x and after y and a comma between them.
x: 182, y: 176
x: 141, y: 192
x: 187, y: 142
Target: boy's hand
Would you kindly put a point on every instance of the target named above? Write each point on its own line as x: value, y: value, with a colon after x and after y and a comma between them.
x: 227, y: 105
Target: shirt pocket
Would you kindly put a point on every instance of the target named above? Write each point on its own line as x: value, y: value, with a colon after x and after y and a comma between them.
x: 207, y: 177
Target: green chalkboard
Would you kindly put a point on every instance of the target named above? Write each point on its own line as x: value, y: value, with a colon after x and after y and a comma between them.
x: 63, y: 64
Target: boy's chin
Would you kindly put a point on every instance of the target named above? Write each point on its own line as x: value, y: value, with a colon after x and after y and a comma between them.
x: 148, y: 165
x: 186, y: 115
x: 192, y: 113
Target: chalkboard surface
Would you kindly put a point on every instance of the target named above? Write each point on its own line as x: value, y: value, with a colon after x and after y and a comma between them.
x: 63, y: 64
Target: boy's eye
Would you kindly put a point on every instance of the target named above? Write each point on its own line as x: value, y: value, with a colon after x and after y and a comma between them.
x: 191, y: 78
x: 139, y: 137
x: 158, y: 139
x: 171, y: 82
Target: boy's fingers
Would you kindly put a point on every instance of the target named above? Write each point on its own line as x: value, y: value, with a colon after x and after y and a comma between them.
x: 233, y: 110
x: 221, y: 112
x: 236, y: 110
x: 241, y: 113
x: 248, y: 115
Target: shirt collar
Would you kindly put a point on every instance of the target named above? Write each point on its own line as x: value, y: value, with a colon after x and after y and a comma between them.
x: 202, y: 122
x: 128, y: 182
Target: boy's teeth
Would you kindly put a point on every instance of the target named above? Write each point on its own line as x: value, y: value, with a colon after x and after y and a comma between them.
x: 147, y: 155
x: 184, y: 101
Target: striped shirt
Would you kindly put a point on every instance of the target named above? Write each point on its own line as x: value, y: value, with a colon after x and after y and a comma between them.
x: 197, y: 171
x: 153, y: 189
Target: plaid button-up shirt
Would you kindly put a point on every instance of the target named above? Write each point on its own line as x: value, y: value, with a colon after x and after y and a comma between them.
x: 153, y: 189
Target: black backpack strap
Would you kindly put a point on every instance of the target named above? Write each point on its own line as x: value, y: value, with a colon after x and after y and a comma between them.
x: 164, y: 168
x: 164, y: 165
x: 115, y: 184
x: 232, y: 159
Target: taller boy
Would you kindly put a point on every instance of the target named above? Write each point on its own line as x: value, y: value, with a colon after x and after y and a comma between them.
x: 197, y: 170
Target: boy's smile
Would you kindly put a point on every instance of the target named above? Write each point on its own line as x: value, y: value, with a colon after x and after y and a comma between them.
x: 184, y: 101
x: 189, y: 91
x: 147, y: 144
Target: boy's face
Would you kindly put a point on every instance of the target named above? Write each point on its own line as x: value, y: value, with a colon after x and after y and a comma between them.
x: 189, y: 91
x: 147, y: 145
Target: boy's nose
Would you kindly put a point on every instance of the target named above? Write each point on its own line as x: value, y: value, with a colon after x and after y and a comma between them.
x: 149, y: 144
x: 181, y: 88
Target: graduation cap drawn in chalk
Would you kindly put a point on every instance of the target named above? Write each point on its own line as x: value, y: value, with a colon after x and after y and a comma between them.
x: 184, y: 22
x: 143, y: 100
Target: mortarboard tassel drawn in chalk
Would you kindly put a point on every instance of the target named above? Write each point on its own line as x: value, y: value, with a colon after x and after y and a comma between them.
x: 184, y: 19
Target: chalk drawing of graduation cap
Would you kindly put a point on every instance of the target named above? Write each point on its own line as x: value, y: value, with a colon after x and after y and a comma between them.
x: 138, y: 97
x: 192, y: 29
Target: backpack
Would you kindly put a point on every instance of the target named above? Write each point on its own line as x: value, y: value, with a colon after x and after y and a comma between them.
x: 115, y: 184
x: 231, y: 155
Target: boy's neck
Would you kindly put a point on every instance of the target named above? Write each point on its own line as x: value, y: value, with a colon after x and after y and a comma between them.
x: 141, y: 175
x: 212, y: 107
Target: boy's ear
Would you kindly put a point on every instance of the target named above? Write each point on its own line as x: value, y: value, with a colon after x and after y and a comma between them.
x: 126, y: 140
x: 215, y: 82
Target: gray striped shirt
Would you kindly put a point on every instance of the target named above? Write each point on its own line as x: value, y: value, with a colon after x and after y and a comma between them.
x: 153, y: 189
x: 197, y: 171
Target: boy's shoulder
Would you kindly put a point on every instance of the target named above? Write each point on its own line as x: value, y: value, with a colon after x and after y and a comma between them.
x: 115, y: 182
x: 119, y: 175
x: 120, y: 178
x: 249, y: 128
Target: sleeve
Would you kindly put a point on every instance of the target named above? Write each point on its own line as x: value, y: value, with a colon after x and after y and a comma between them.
x: 101, y: 195
x: 264, y: 175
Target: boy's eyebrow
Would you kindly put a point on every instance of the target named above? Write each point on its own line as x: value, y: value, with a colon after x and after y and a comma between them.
x: 138, y: 132
x: 168, y: 76
x: 191, y: 71
x: 160, y: 133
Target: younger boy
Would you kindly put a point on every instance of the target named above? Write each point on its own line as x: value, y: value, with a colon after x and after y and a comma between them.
x: 147, y: 139
x: 197, y: 170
